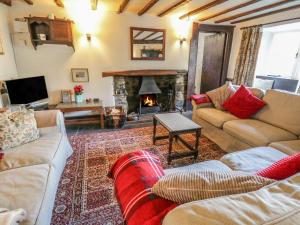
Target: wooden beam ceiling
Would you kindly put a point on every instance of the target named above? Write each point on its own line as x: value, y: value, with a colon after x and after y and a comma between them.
x: 29, y: 2
x: 255, y: 11
x: 267, y: 14
x: 173, y: 7
x: 59, y: 3
x: 6, y: 2
x: 149, y: 5
x: 138, y: 34
x: 123, y: 6
x: 229, y: 10
x: 202, y: 8
x: 150, y: 35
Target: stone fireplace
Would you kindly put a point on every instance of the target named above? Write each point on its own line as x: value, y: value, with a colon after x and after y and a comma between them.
x: 150, y: 91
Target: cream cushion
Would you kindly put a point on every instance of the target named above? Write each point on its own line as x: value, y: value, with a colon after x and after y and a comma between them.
x: 190, y: 186
x: 210, y: 165
x: 256, y: 133
x: 214, y: 116
x: 277, y: 203
x: 24, y: 188
x: 282, y: 110
x: 51, y: 147
x: 220, y: 95
x: 288, y: 147
x: 252, y: 160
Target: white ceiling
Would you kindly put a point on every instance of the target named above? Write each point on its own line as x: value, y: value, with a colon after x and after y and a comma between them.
x: 284, y: 28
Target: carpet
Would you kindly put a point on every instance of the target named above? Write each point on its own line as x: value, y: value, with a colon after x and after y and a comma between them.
x: 85, y: 195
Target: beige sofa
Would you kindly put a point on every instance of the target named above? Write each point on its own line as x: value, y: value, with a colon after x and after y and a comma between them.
x: 278, y: 203
x: 276, y: 125
x: 29, y: 174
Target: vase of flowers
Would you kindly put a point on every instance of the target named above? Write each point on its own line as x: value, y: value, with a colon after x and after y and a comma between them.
x: 78, y: 90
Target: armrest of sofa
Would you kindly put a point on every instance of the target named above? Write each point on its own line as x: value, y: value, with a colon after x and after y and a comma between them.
x: 202, y: 105
x: 50, y: 118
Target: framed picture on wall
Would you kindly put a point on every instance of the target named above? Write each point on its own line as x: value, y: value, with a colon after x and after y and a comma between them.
x: 1, y: 48
x: 80, y: 74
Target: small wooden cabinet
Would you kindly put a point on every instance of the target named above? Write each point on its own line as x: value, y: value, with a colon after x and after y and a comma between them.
x: 46, y: 31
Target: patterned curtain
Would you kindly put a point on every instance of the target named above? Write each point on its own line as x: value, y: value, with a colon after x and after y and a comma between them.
x: 246, y: 61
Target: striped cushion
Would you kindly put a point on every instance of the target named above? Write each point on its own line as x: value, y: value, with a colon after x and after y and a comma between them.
x: 190, y: 186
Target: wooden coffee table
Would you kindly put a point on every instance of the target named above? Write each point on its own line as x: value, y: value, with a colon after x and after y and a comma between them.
x: 177, y: 124
x: 76, y: 107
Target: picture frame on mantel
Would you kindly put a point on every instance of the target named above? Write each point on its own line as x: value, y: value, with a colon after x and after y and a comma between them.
x: 80, y: 75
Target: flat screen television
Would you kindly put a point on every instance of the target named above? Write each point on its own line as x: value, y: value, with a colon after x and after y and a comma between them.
x: 27, y: 90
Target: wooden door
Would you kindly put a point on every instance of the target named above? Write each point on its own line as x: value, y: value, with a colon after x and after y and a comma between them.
x: 213, y: 59
x: 61, y: 31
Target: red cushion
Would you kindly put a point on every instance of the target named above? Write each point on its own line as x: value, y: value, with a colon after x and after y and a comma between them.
x: 134, y: 175
x: 243, y: 103
x: 283, y: 168
x: 200, y: 99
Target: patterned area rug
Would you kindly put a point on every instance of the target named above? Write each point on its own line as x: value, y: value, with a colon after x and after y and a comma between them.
x: 85, y: 195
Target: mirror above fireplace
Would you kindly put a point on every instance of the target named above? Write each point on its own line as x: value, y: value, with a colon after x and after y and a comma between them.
x: 147, y: 43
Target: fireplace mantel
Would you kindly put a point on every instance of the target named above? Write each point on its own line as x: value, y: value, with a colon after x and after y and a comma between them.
x: 135, y: 73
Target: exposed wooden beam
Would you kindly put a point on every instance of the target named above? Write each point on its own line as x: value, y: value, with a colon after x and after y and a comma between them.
x: 267, y: 14
x: 202, y: 8
x: 6, y: 2
x: 255, y: 10
x: 147, y: 42
x: 149, y: 5
x: 138, y: 34
x: 159, y: 37
x: 59, y: 3
x: 123, y: 6
x: 94, y: 4
x: 29, y: 2
x: 229, y: 10
x: 150, y: 35
x: 173, y: 7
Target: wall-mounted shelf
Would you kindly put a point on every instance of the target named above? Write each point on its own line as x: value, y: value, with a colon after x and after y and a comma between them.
x: 45, y: 31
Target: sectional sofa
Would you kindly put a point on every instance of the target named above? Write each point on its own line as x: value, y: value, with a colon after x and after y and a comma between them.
x: 29, y: 174
x: 277, y: 203
x: 276, y: 125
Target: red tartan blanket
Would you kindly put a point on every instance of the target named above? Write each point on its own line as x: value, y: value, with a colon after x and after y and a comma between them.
x: 134, y: 175
x: 200, y: 99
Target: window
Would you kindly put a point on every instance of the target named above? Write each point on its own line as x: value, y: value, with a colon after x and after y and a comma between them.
x: 279, y: 53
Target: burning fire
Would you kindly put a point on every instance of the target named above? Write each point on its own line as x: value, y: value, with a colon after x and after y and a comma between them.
x: 149, y: 101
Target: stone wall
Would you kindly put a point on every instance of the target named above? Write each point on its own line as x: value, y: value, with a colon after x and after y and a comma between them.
x: 173, y: 88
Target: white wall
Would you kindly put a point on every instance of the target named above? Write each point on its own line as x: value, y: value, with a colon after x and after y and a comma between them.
x: 238, y: 33
x: 8, y: 67
x: 108, y: 51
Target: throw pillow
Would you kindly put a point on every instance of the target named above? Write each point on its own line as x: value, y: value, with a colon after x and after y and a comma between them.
x: 134, y: 175
x: 283, y: 168
x: 243, y: 103
x: 182, y: 187
x: 17, y: 128
x: 257, y: 92
x: 220, y: 95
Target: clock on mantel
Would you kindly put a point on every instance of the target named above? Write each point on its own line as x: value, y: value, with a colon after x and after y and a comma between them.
x: 47, y: 31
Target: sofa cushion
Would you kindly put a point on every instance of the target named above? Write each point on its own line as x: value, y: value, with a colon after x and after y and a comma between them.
x: 214, y: 116
x: 282, y: 169
x: 243, y: 103
x: 256, y: 133
x: 24, y: 188
x: 210, y: 165
x: 252, y: 160
x: 17, y: 128
x: 220, y: 95
x: 288, y: 147
x: 277, y: 203
x: 40, y: 151
x: 190, y: 186
x: 282, y: 110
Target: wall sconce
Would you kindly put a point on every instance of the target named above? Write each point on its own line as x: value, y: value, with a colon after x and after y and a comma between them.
x: 182, y: 39
x: 89, y: 37
x: 94, y: 4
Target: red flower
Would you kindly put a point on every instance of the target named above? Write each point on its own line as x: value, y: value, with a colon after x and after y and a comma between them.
x: 78, y: 89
